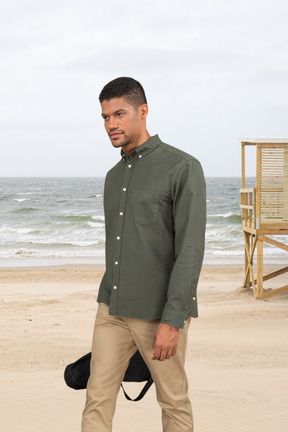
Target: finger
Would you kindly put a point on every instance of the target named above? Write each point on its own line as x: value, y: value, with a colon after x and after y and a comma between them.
x: 163, y: 355
x: 154, y: 342
x: 169, y: 354
x: 174, y: 350
x: 159, y: 354
x: 156, y: 353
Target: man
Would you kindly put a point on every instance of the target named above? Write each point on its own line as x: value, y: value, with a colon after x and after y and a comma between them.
x: 155, y: 210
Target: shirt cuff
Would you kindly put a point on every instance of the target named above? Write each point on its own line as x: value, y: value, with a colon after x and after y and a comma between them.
x: 174, y: 318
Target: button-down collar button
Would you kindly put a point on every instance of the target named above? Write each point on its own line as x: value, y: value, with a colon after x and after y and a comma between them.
x: 140, y: 156
x: 121, y: 213
x: 129, y: 166
x: 118, y: 237
x: 124, y: 189
x: 115, y: 287
x: 116, y: 262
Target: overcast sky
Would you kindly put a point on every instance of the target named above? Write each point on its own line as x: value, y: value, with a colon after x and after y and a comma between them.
x: 213, y: 71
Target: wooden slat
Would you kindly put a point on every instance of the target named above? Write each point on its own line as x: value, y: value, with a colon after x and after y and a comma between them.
x: 273, y: 242
x: 247, y: 207
x: 273, y: 231
x: 272, y: 189
x: 273, y: 292
x: 275, y: 273
x: 272, y: 275
x: 250, y: 230
x: 247, y: 190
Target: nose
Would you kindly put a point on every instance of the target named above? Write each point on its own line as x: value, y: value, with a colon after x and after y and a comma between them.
x: 112, y: 123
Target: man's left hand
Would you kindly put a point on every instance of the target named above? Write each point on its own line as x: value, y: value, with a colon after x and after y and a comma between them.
x: 165, y: 342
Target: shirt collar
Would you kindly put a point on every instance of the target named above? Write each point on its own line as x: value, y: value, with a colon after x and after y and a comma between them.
x: 144, y: 149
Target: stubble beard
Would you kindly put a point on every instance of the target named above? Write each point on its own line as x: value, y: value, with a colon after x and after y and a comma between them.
x: 123, y: 143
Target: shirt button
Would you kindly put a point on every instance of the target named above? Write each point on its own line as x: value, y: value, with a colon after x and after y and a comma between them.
x: 116, y: 262
x: 129, y: 166
x: 121, y: 213
x: 124, y: 189
x: 140, y: 156
x: 194, y: 298
x: 115, y: 287
x: 118, y: 237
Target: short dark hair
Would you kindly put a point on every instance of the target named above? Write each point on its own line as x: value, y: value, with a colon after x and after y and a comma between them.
x: 125, y: 87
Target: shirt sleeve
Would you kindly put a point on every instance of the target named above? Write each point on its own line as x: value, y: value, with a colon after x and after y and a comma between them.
x: 189, y: 212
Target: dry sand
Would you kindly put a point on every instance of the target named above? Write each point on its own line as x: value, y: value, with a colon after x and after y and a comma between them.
x: 237, y: 359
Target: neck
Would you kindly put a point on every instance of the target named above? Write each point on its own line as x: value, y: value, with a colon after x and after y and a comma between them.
x: 128, y: 149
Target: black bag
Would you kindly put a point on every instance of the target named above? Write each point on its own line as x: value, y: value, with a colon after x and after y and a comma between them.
x: 76, y: 374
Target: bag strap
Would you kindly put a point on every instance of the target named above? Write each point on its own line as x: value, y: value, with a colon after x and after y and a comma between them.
x: 142, y: 393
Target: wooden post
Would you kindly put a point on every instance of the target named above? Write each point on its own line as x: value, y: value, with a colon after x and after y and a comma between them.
x: 259, y: 268
x: 247, y: 245
x: 243, y: 165
x: 285, y: 174
x: 258, y: 180
x: 244, y: 213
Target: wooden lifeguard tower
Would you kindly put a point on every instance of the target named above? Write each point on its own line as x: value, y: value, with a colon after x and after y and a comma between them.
x: 265, y: 210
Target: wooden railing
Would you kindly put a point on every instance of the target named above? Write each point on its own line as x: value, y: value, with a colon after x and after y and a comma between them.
x: 248, y: 207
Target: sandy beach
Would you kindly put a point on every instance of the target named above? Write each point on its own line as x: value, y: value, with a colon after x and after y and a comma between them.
x: 236, y: 360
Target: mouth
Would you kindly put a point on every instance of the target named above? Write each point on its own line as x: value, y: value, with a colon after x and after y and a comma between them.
x: 115, y: 135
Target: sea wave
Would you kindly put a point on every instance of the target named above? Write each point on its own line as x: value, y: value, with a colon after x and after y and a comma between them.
x: 65, y: 218
x: 26, y: 253
x: 79, y: 218
x: 27, y: 210
x: 95, y: 196
x: 227, y: 217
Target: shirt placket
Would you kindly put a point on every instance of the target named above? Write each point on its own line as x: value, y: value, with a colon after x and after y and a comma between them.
x: 119, y: 232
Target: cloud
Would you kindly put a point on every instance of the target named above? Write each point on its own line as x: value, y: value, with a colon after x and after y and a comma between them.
x: 212, y: 69
x: 155, y: 60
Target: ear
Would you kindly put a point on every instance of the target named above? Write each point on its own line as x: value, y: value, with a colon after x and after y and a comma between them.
x: 143, y: 110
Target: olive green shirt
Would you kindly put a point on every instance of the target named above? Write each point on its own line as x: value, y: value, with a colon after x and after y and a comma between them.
x: 155, y: 215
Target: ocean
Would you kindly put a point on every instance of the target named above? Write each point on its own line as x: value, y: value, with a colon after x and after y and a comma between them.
x: 61, y: 220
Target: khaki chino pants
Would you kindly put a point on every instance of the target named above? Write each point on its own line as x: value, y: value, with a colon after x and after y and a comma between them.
x: 115, y: 340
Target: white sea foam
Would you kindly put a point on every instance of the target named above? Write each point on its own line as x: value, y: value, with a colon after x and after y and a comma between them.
x: 224, y: 215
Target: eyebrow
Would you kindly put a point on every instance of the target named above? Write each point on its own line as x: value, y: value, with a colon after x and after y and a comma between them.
x: 115, y: 112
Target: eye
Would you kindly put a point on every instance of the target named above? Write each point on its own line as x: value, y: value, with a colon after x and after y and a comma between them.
x: 119, y: 114
x: 105, y: 117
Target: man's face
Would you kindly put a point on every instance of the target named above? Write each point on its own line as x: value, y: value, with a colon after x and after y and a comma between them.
x: 123, y: 123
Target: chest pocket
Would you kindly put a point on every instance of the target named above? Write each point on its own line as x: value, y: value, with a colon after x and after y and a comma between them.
x: 145, y: 204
